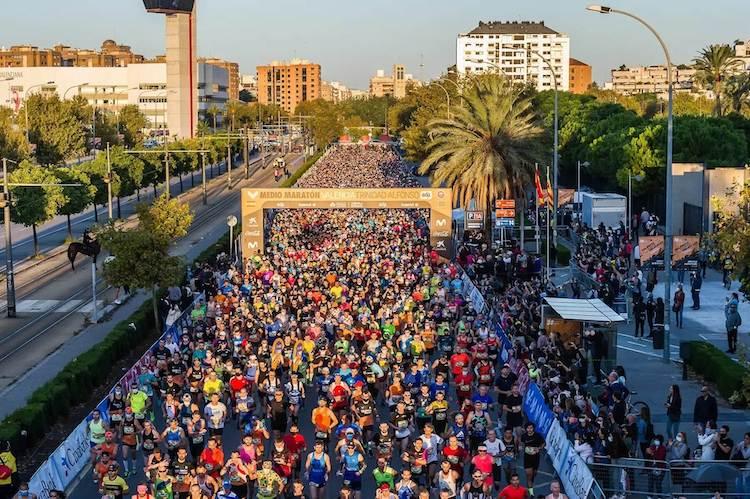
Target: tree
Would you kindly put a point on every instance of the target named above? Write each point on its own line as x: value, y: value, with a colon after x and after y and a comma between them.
x: 738, y: 91
x: 56, y: 127
x: 32, y: 206
x: 142, y: 259
x: 169, y: 218
x: 13, y: 143
x: 97, y: 173
x: 731, y: 234
x: 75, y: 198
x: 488, y: 148
x: 132, y: 122
x: 325, y: 122
x: 213, y: 111
x: 713, y: 64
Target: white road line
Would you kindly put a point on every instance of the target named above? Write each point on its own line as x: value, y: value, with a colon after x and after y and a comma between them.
x: 87, y: 309
x: 648, y: 354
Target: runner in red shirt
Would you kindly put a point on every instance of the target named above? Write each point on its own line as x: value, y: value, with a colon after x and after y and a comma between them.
x: 458, y: 361
x: 463, y: 380
x: 514, y: 490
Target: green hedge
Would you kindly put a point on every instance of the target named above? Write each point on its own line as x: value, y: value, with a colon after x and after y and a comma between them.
x: 563, y: 255
x: 716, y: 367
x: 301, y: 170
x: 73, y: 385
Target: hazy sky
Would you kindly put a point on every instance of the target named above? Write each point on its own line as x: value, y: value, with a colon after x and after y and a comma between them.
x: 353, y: 39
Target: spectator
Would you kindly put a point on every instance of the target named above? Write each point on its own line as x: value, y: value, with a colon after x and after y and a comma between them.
x: 707, y: 439
x: 678, y: 305
x: 24, y: 492
x: 733, y: 321
x: 8, y: 471
x: 674, y: 411
x: 705, y: 408
x: 724, y: 445
x: 696, y: 281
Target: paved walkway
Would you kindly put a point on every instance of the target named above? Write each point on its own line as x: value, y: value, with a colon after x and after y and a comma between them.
x: 650, y: 377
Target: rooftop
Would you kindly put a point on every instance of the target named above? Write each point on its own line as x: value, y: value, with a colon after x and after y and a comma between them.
x: 512, y: 28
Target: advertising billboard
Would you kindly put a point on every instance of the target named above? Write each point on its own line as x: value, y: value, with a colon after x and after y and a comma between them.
x: 683, y: 247
x: 474, y: 220
x: 254, y: 201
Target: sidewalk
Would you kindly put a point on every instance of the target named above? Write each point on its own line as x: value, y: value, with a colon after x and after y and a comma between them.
x: 650, y: 377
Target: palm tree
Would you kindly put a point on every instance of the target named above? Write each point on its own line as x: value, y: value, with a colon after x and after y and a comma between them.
x: 714, y: 63
x: 213, y: 111
x: 487, y: 149
x: 738, y: 90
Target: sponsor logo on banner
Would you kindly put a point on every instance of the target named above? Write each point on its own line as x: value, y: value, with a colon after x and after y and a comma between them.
x: 441, y: 223
x: 253, y: 194
x: 73, y: 455
x: 252, y: 244
x: 536, y: 409
x: 45, y: 480
x: 425, y: 195
x: 557, y: 445
x: 440, y: 245
x: 575, y: 475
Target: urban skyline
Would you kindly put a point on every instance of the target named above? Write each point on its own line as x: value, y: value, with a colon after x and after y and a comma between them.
x: 337, y: 38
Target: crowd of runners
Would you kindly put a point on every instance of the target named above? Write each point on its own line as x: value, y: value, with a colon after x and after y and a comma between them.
x: 344, y: 362
x: 377, y: 165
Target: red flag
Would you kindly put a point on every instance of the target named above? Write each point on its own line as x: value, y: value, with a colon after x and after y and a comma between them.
x: 550, y: 194
x: 538, y: 185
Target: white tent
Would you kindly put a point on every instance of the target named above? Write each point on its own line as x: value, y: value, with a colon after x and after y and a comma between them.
x: 584, y: 310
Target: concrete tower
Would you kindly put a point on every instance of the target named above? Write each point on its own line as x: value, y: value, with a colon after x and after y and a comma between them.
x: 182, y: 67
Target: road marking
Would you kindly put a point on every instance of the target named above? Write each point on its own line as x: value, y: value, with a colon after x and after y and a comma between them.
x: 87, y: 309
x: 69, y: 305
x: 648, y: 354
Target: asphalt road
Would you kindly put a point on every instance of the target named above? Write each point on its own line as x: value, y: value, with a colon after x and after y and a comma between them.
x: 55, y: 303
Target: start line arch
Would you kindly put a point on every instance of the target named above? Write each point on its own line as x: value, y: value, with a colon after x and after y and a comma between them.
x: 255, y: 201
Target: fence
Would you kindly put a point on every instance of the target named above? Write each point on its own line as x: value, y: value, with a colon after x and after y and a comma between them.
x: 637, y: 477
x: 69, y: 460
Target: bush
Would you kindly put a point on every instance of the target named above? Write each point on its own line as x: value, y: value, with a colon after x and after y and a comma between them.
x: 717, y: 367
x: 563, y: 255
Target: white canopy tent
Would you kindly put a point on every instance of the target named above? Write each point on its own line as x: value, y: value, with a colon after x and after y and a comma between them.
x: 584, y: 310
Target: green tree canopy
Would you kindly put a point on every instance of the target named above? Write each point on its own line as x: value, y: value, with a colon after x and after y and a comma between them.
x: 56, y: 127
x: 75, y: 198
x: 32, y: 206
x: 167, y: 218
x: 132, y: 122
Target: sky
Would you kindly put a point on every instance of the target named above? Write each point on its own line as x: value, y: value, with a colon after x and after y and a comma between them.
x: 352, y: 39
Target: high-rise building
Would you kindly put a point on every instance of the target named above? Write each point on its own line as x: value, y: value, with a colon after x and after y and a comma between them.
x: 580, y: 76
x: 28, y: 56
x: 742, y: 51
x: 650, y: 80
x: 249, y: 83
x: 234, y: 74
x: 512, y: 47
x: 394, y: 85
x: 288, y: 83
x: 335, y: 92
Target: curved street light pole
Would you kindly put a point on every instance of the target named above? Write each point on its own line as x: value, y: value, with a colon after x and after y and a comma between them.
x: 65, y: 94
x: 447, y: 96
x: 668, y: 203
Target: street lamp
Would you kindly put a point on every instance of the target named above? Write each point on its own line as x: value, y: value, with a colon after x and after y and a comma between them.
x: 26, y: 107
x: 447, y: 96
x: 65, y: 94
x: 601, y: 9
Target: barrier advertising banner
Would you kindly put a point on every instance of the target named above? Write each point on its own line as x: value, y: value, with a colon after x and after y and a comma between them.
x: 254, y: 201
x: 536, y: 410
x: 575, y: 475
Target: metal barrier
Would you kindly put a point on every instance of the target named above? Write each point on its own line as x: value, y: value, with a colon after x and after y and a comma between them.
x: 630, y: 477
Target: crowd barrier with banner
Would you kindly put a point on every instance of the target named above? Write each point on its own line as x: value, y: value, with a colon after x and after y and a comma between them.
x: 574, y: 473
x: 71, y: 457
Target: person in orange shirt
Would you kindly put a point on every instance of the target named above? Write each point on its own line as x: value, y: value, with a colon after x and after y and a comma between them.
x: 324, y: 420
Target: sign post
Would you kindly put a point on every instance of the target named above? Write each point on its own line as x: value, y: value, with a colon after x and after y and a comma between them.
x: 231, y: 222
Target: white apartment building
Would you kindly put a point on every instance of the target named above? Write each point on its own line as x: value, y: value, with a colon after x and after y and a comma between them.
x: 111, y: 88
x: 742, y: 51
x: 514, y: 48
x: 636, y: 80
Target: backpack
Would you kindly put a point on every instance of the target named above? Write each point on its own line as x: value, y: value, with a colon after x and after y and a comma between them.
x: 5, y: 471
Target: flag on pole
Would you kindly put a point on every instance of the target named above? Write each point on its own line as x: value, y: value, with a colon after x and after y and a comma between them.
x: 550, y: 194
x: 538, y: 185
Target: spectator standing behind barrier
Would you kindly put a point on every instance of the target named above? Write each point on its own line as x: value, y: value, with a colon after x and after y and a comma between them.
x: 705, y: 409
x: 24, y: 492
x: 733, y: 321
x: 8, y: 471
x: 707, y: 438
x: 674, y: 411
